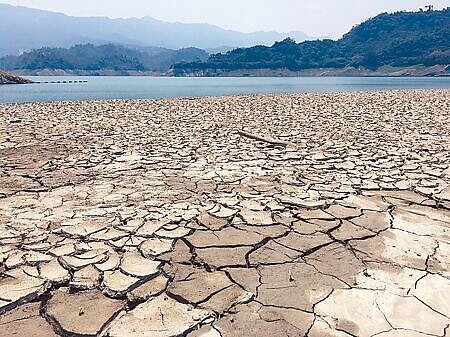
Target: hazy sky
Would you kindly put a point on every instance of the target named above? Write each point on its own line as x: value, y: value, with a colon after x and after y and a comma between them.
x: 315, y: 17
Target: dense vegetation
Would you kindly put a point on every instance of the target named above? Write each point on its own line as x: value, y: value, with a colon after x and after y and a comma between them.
x: 109, y: 57
x: 399, y: 39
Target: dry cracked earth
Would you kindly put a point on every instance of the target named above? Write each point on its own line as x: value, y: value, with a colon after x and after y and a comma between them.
x: 172, y: 218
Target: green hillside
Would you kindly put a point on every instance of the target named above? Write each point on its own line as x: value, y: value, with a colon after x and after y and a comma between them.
x: 398, y: 40
x: 105, y: 57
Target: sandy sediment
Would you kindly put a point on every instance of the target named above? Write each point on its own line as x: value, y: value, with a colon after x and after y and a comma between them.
x: 275, y: 215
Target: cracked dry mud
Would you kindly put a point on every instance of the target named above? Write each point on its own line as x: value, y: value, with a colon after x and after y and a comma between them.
x: 162, y: 218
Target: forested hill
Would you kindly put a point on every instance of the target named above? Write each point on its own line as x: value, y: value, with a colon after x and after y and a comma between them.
x: 105, y: 57
x: 400, y: 39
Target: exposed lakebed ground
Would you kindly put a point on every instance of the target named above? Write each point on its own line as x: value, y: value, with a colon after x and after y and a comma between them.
x: 166, y: 218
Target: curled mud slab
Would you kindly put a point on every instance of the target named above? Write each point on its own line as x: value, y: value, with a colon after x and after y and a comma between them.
x: 289, y: 215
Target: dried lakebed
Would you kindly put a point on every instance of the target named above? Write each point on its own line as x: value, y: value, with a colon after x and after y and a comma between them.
x: 275, y: 215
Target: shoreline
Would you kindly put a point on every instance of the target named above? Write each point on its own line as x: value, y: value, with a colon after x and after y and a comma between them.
x: 223, y: 97
x: 10, y: 79
x: 411, y: 71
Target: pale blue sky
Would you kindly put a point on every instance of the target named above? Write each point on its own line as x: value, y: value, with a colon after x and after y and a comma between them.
x: 315, y: 17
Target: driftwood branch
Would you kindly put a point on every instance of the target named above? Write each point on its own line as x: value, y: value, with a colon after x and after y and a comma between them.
x: 263, y: 139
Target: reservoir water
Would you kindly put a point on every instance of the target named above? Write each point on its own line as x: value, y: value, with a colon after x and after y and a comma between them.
x: 98, y: 87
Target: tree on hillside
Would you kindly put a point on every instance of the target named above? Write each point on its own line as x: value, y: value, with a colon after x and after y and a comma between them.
x: 399, y: 39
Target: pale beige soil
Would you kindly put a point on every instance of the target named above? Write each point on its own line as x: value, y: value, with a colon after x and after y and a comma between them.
x: 162, y: 218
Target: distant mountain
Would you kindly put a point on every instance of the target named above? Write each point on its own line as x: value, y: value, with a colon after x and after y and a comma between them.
x: 23, y: 29
x: 105, y: 57
x: 400, y: 39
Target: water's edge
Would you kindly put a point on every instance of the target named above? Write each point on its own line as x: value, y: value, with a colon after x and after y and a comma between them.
x: 138, y: 87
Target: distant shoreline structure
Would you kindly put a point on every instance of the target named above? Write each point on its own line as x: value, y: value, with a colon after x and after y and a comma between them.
x: 413, y: 71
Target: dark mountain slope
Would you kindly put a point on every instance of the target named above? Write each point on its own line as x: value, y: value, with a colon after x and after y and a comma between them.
x: 105, y: 57
x: 399, y: 39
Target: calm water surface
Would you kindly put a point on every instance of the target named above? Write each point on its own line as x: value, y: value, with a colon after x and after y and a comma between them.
x: 163, y: 87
